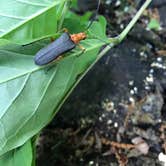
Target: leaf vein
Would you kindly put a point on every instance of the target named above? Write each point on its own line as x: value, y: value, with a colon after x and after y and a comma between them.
x: 35, y: 110
x: 12, y: 16
x: 31, y: 3
x: 21, y: 89
x: 31, y: 17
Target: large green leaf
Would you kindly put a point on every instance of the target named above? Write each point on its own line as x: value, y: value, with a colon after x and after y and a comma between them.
x: 31, y: 95
x: 22, y: 156
x: 24, y: 21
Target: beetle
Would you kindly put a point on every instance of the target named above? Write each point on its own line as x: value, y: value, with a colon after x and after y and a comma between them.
x: 63, y: 44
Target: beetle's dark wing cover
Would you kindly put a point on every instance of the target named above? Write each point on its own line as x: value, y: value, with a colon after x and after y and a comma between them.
x: 54, y: 49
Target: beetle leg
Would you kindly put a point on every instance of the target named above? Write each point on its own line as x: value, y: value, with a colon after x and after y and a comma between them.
x: 65, y: 30
x: 52, y: 39
x: 59, y: 57
x: 55, y: 60
x: 81, y: 48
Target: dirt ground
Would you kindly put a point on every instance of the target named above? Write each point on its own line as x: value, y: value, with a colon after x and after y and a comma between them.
x: 116, y: 116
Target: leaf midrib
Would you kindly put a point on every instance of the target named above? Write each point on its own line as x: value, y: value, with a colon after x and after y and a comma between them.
x: 39, y: 68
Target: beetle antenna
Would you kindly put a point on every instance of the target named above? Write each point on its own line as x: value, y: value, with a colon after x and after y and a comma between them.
x: 96, y: 12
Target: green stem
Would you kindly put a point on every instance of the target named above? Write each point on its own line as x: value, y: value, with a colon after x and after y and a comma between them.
x: 134, y: 20
x: 118, y: 39
x: 124, y: 33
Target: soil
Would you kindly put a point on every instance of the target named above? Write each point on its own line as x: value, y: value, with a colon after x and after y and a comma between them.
x: 117, y: 114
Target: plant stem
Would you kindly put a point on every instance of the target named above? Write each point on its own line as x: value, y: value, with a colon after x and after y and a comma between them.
x: 133, y: 21
x: 124, y: 33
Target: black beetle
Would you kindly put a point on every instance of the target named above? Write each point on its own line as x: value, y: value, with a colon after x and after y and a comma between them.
x: 63, y: 44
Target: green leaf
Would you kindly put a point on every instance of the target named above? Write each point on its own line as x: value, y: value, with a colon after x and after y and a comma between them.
x: 24, y: 21
x: 22, y: 156
x: 154, y: 24
x: 31, y: 95
x: 76, y: 24
x: 74, y: 4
